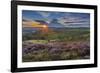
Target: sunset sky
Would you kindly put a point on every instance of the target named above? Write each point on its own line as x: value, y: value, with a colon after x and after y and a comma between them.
x: 55, y: 19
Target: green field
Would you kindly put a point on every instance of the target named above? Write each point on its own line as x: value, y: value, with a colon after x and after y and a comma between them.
x: 74, y: 34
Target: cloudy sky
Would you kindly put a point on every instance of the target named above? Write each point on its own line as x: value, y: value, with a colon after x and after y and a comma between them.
x: 57, y: 19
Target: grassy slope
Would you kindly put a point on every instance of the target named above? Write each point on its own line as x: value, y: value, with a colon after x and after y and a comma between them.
x: 66, y: 35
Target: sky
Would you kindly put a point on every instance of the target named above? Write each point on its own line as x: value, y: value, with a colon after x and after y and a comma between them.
x: 56, y: 19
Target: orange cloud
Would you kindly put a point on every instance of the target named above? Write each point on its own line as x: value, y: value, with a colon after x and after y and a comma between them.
x: 32, y: 24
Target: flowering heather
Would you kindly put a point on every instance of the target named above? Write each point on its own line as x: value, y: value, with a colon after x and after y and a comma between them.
x: 56, y: 51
